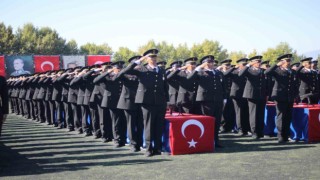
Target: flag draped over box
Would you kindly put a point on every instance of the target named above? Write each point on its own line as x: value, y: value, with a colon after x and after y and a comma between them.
x: 191, y: 134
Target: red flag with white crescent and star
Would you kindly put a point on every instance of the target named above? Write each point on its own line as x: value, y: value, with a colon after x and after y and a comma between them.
x: 314, y: 125
x: 46, y: 63
x: 191, y: 134
x: 2, y: 67
x: 97, y: 59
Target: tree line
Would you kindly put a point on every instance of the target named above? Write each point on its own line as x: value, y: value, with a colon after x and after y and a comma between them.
x: 29, y: 39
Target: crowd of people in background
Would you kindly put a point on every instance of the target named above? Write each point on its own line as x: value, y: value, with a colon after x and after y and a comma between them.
x: 113, y: 101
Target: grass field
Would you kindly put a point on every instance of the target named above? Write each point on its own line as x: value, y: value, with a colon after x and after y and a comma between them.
x: 30, y: 150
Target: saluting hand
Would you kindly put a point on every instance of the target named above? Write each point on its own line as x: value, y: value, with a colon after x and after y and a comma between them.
x: 280, y: 63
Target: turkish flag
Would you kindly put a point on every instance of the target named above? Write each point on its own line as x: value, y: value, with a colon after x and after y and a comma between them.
x: 46, y: 63
x: 2, y: 67
x: 97, y: 59
x: 191, y: 134
x: 314, y: 125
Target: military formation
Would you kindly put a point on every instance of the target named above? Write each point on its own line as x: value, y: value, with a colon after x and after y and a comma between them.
x: 114, y: 101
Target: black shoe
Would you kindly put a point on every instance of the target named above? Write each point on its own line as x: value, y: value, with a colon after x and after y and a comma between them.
x: 156, y: 152
x: 281, y: 140
x: 244, y: 134
x: 235, y: 131
x: 148, y: 154
x: 49, y: 124
x: 255, y: 137
x: 118, y: 145
x: 97, y: 136
x: 135, y: 149
x: 80, y: 131
x: 71, y: 129
x: 88, y: 134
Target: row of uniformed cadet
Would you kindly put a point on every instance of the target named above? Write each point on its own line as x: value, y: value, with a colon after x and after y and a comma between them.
x: 132, y: 99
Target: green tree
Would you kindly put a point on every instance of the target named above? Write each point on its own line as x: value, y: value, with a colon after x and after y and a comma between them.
x: 49, y: 42
x: 71, y: 47
x: 7, y: 39
x: 236, y: 55
x: 209, y: 47
x: 26, y: 39
x: 123, y: 54
x: 182, y: 52
x: 283, y: 48
x: 151, y: 44
x: 253, y: 53
x: 166, y: 52
x: 93, y: 49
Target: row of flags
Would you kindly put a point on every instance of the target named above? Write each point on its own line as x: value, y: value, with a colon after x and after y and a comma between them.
x: 15, y: 64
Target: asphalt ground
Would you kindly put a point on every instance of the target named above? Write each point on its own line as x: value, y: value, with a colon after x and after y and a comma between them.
x: 30, y: 150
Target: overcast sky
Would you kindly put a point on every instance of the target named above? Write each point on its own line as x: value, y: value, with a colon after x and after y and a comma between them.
x: 237, y: 24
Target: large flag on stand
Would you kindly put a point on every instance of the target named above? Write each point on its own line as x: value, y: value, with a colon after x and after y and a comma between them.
x: 314, y: 125
x: 46, y: 63
x: 2, y: 67
x: 191, y: 134
x: 97, y: 59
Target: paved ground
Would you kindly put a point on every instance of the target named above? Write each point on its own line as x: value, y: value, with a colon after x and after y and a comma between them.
x: 29, y: 150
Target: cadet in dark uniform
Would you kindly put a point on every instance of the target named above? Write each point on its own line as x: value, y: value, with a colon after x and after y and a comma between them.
x: 57, y: 98
x: 103, y: 122
x: 110, y: 100
x: 309, y: 87
x: 37, y: 102
x: 236, y: 94
x: 88, y: 78
x: 314, y: 67
x: 152, y: 95
x: 132, y: 110
x: 4, y: 102
x: 173, y: 85
x: 255, y: 92
x: 79, y: 81
x: 228, y: 120
x: 51, y: 108
x: 30, y: 101
x: 72, y: 98
x: 43, y: 106
x: 64, y: 81
x: 283, y: 94
x: 162, y: 64
x: 270, y: 81
x: 314, y: 64
x: 210, y: 91
x: 22, y: 95
x: 186, y: 100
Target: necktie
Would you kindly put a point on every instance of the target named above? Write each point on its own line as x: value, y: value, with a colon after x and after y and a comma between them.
x: 155, y: 70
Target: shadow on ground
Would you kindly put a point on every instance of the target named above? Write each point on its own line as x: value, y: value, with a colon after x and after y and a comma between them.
x: 30, y: 148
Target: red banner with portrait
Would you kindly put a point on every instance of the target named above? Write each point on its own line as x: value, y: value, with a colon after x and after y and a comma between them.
x: 98, y: 59
x: 46, y: 63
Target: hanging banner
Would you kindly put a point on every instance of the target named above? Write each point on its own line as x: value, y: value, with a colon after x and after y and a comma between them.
x: 73, y: 61
x: 19, y: 65
x: 97, y: 59
x: 46, y: 63
x: 2, y: 67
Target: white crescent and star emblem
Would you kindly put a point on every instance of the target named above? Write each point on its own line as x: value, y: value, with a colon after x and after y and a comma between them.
x: 189, y: 122
x: 98, y: 62
x: 47, y: 63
